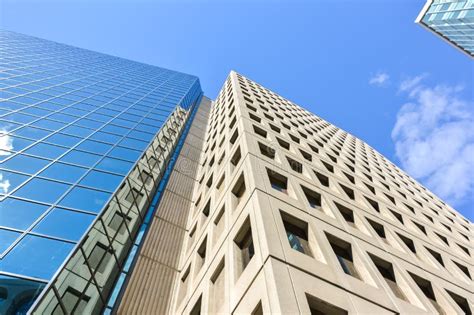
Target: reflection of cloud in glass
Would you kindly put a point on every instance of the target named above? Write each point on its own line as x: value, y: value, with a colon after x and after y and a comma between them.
x: 6, y: 143
x: 4, y: 184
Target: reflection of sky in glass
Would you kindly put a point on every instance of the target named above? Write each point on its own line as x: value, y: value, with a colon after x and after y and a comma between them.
x: 72, y: 125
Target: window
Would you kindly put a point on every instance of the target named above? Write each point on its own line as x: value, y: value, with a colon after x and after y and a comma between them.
x: 266, y: 151
x: 347, y: 214
x: 277, y: 181
x: 297, y: 233
x: 236, y: 157
x: 397, y: 215
x: 328, y: 166
x: 320, y: 307
x: 183, y: 288
x: 243, y: 243
x: 99, y: 257
x: 201, y: 255
x: 349, y: 192
x: 436, y: 256
x: 197, y: 307
x: 461, y: 302
x: 408, y: 242
x: 258, y: 310
x: 306, y: 155
x: 343, y: 252
x: 259, y: 131
x: 295, y: 165
x: 324, y: 180
x: 216, y: 300
x: 379, y: 229
x: 313, y: 197
x: 283, y: 144
x: 74, y: 302
x: 386, y: 270
x: 374, y: 204
x: 134, y: 194
x: 238, y: 190
x: 119, y: 222
x: 420, y: 227
x: 427, y: 289
x: 219, y: 223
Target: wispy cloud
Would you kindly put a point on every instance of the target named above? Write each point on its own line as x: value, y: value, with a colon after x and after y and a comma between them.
x: 434, y: 138
x: 6, y: 143
x: 379, y: 79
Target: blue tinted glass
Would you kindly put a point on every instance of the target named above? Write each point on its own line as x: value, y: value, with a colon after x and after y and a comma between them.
x: 23, y: 163
x: 134, y: 144
x: 9, y: 181
x: 32, y: 133
x: 94, y: 146
x: 114, y: 165
x: 77, y: 131
x: 20, y: 294
x: 64, y: 140
x: 64, y: 223
x: 36, y: 257
x: 46, y: 150
x: 106, y: 137
x: 42, y: 190
x: 19, y: 214
x: 48, y: 124
x: 10, y: 143
x: 125, y: 154
x: 81, y: 158
x: 102, y: 180
x: 85, y: 199
x: 63, y: 172
x: 6, y: 239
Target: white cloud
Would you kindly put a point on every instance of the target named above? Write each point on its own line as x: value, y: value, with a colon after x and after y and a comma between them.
x: 379, y: 79
x: 6, y: 143
x: 4, y: 184
x: 434, y: 139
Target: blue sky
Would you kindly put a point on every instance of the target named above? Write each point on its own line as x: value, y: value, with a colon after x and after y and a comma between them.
x: 363, y: 65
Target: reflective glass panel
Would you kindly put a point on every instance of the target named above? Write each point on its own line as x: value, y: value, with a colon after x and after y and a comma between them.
x: 114, y: 165
x: 42, y: 190
x: 63, y: 172
x: 36, y: 257
x: 46, y: 150
x: 85, y: 199
x: 9, y: 181
x: 19, y: 214
x: 64, y: 223
x: 6, y: 239
x: 102, y: 180
x: 24, y: 163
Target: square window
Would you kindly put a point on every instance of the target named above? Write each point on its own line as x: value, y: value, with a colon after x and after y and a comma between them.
x: 63, y: 223
x: 85, y: 199
x: 42, y: 190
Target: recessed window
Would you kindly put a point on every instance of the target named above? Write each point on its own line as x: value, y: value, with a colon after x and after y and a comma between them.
x: 347, y: 214
x: 243, y: 244
x: 283, y: 144
x: 373, y: 203
x: 73, y: 301
x: 296, y: 233
x: 314, y: 199
x: 238, y: 190
x: 219, y: 223
x: 295, y: 165
x: 420, y: 227
x: 267, y: 151
x: 349, y: 177
x: 201, y: 255
x: 259, y: 131
x: 324, y: 180
x: 197, y: 307
x: 216, y: 300
x: 397, y: 215
x: 463, y: 269
x: 343, y: 252
x: 99, y: 257
x: 444, y: 239
x: 427, y: 289
x: 134, y: 194
x: 464, y: 249
x: 461, y: 302
x: 236, y: 157
x: 379, y: 229
x: 306, y: 155
x: 277, y: 181
x: 436, y: 256
x: 328, y: 166
x: 386, y: 270
x: 349, y: 192
x: 320, y: 307
x: 408, y: 242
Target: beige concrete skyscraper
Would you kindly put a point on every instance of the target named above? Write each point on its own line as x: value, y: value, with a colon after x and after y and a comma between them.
x: 271, y: 209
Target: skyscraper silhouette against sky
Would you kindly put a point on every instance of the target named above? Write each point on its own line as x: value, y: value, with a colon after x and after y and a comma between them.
x: 124, y: 189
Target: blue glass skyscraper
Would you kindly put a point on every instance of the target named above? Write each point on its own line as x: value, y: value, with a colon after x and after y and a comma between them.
x: 74, y: 125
